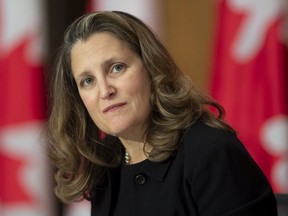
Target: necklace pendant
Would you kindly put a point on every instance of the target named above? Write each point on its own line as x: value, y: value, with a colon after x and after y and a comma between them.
x: 127, y: 158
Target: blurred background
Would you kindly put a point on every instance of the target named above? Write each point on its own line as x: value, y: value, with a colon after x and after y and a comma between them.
x: 235, y: 50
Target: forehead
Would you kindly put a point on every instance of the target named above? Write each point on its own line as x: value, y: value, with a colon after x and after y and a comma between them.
x: 97, y: 49
x: 98, y: 42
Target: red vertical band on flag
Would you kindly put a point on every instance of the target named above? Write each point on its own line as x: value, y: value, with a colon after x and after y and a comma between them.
x: 250, y: 81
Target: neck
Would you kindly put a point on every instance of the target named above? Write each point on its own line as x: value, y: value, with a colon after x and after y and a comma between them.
x: 135, y: 150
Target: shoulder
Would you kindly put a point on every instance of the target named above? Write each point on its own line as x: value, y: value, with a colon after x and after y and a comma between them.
x: 201, y: 136
x: 216, y: 164
x: 205, y: 147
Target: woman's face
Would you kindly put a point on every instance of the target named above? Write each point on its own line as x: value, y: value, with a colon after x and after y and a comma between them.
x: 113, y: 84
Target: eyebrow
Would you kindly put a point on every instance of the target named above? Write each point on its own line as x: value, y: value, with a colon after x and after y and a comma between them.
x: 104, y: 64
x: 81, y: 75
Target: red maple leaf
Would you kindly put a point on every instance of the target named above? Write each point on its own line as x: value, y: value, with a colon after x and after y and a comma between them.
x: 23, y: 85
x: 11, y: 188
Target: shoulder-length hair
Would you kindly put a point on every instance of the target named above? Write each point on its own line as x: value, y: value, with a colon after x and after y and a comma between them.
x: 80, y: 156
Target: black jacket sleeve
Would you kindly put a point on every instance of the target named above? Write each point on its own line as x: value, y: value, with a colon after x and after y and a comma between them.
x: 226, y: 180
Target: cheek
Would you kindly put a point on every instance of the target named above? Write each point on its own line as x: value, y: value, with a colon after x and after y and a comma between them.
x: 145, y: 91
x: 85, y: 101
x: 90, y: 104
x: 143, y: 97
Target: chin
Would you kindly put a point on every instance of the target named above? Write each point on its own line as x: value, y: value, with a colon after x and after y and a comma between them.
x: 118, y: 132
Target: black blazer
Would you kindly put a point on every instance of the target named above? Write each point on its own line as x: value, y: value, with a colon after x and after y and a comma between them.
x: 212, y: 174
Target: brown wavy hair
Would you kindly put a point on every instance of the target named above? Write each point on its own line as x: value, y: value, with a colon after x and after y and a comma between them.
x: 81, y: 158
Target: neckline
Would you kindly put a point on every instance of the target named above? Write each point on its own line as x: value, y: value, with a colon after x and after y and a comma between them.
x: 134, y: 165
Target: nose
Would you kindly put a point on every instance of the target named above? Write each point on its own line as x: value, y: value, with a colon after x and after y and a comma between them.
x: 106, y: 90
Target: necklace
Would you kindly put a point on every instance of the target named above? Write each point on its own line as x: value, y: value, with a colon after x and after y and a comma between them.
x: 127, y: 158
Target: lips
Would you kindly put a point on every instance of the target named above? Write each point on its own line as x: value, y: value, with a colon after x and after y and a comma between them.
x: 113, y: 107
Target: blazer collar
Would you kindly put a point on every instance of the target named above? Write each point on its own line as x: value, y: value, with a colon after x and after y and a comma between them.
x: 156, y: 170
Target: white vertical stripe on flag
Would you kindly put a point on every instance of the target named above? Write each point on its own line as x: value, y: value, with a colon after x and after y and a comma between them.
x: 20, y: 19
x: 146, y: 10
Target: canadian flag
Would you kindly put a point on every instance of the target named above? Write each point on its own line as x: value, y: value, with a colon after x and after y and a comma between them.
x: 24, y: 175
x: 149, y: 12
x: 250, y: 79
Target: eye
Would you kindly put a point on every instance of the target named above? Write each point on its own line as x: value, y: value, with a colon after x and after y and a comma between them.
x: 117, y: 68
x: 87, y: 81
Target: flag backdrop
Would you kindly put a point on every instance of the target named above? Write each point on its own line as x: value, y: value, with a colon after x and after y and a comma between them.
x: 24, y: 182
x: 250, y: 79
x: 147, y: 11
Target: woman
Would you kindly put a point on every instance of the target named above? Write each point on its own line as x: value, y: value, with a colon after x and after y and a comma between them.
x: 129, y: 132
